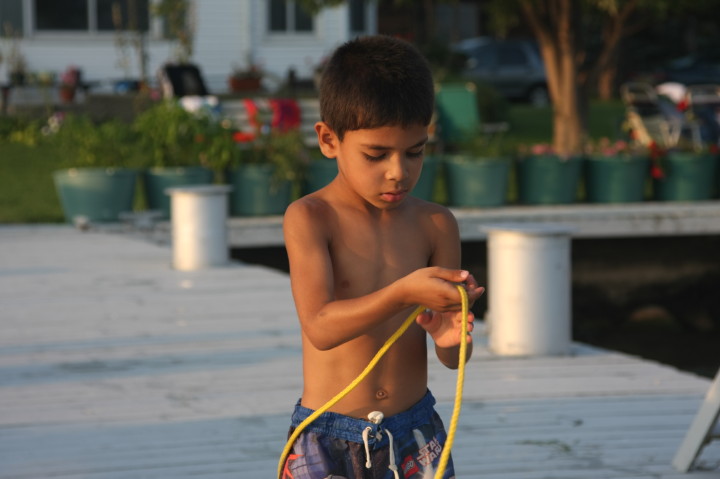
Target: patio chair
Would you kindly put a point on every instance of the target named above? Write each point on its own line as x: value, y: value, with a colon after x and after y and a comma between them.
x: 179, y: 80
x: 704, y: 104
x: 653, y: 118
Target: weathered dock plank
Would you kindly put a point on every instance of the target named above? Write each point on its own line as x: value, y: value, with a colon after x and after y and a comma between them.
x: 113, y: 365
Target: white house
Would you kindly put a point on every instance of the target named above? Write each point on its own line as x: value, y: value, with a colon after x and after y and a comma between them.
x: 274, y: 34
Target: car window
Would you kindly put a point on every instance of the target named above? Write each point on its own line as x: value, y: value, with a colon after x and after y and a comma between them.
x: 511, y: 56
x: 482, y: 57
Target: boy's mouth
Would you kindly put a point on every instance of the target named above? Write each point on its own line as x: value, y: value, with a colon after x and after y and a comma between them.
x: 393, y: 196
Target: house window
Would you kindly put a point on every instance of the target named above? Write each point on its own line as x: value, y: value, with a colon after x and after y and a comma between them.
x: 358, y: 21
x: 89, y: 15
x: 11, y: 17
x: 287, y: 16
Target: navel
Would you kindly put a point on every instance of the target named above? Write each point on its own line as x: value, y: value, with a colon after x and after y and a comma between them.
x: 381, y: 394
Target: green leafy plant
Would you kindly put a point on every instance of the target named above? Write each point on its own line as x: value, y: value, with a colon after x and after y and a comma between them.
x: 169, y: 135
x: 269, y: 142
x: 83, y: 143
x: 285, y: 151
x: 218, y: 147
x: 22, y: 130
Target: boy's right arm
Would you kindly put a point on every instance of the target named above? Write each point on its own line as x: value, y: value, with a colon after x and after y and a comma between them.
x: 328, y: 322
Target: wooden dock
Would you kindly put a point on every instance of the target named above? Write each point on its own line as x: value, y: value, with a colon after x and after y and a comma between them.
x: 113, y: 365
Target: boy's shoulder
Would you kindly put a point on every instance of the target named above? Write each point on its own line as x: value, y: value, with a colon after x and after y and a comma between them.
x: 438, y: 215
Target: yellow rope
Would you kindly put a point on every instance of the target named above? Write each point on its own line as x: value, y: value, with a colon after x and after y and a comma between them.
x: 391, y: 340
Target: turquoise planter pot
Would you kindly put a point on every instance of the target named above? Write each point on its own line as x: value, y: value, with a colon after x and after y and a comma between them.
x: 256, y: 193
x: 688, y: 177
x: 548, y: 179
x: 425, y: 186
x: 616, y: 179
x: 320, y: 173
x: 476, y: 182
x: 157, y: 180
x: 95, y: 194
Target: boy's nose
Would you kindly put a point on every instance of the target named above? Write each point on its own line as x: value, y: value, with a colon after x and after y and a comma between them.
x: 397, y: 169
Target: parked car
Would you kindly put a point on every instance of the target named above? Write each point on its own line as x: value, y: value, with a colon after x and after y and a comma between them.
x: 513, y: 67
x: 701, y: 68
x: 692, y: 70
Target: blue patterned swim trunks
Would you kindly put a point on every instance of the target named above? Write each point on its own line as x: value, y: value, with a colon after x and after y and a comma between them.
x: 335, y: 446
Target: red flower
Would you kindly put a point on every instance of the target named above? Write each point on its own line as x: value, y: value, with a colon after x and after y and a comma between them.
x: 656, y: 172
x: 243, y: 137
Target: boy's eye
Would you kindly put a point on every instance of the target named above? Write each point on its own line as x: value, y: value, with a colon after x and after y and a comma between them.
x: 374, y: 158
x: 416, y: 154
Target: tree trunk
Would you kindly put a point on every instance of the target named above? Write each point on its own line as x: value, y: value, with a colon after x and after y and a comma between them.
x: 605, y: 68
x: 606, y: 83
x: 554, y: 28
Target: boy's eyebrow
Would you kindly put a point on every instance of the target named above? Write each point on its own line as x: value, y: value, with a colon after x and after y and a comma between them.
x: 382, y: 147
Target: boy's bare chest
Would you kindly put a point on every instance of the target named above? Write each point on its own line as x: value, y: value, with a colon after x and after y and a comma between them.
x: 371, y: 255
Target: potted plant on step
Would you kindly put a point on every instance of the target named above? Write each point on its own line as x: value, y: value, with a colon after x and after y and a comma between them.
x: 69, y: 83
x: 170, y: 139
x: 99, y: 181
x: 544, y: 177
x: 477, y: 175
x: 615, y: 172
x: 686, y: 172
x: 245, y: 79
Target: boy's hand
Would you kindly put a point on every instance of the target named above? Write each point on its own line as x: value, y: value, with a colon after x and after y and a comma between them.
x: 435, y: 288
x: 445, y: 328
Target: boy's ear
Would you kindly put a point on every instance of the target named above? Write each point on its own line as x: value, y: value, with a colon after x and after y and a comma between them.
x: 327, y: 139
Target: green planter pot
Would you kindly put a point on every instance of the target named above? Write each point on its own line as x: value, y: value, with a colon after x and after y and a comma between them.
x: 95, y: 194
x: 548, y: 179
x: 157, y: 180
x: 616, y: 179
x: 476, y: 182
x: 256, y: 193
x: 425, y: 187
x: 688, y: 177
x: 320, y: 172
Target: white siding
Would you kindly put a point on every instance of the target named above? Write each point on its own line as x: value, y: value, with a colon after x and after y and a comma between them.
x: 219, y: 39
x: 228, y: 32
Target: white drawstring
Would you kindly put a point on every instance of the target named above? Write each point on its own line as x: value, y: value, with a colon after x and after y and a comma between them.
x: 376, y: 417
x: 393, y: 467
x: 368, y: 463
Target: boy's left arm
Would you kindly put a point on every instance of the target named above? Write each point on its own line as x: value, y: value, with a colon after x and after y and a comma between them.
x: 446, y: 328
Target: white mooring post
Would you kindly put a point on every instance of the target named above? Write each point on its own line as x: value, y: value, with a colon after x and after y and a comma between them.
x: 199, y: 231
x: 529, y: 290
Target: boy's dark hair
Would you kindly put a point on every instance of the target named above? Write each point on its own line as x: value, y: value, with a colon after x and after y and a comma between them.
x: 376, y: 81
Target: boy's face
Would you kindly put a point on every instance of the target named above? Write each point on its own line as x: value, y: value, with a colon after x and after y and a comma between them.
x: 382, y: 165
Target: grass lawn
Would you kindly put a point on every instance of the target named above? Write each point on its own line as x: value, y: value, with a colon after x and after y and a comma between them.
x: 27, y: 192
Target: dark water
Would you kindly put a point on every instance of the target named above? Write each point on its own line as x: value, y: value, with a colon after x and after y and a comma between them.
x: 656, y: 298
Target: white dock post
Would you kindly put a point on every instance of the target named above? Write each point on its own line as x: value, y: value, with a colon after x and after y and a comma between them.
x: 199, y: 230
x: 529, y: 289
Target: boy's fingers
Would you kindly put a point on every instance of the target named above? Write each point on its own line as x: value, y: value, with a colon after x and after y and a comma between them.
x: 452, y: 275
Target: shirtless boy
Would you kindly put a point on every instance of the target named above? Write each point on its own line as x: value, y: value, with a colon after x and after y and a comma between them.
x: 363, y: 255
